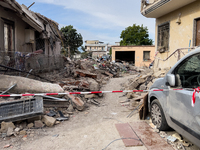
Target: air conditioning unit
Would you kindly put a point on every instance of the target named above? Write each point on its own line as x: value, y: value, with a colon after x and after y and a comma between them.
x: 29, y: 36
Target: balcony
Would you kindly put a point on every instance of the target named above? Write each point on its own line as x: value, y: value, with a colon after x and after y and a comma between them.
x: 158, y: 8
x: 97, y: 45
x: 95, y: 50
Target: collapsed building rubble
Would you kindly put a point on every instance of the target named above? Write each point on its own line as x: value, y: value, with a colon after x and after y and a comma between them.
x: 80, y: 75
x: 141, y: 81
x: 29, y: 41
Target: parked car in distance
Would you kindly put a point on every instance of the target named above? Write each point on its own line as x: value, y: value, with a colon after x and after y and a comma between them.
x: 173, y: 108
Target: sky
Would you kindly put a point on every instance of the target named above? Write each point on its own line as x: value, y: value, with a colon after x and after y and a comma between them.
x: 101, y: 20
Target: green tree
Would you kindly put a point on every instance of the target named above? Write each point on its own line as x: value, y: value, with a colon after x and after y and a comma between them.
x: 71, y: 39
x: 135, y: 35
x: 110, y: 51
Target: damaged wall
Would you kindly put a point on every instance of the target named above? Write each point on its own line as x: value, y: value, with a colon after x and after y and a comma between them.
x: 23, y: 33
x: 19, y: 27
x: 182, y: 24
x: 138, y: 52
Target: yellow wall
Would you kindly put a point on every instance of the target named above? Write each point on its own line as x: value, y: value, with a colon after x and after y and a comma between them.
x: 180, y: 35
x: 138, y: 53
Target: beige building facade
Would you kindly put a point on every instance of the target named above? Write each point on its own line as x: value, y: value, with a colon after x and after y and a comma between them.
x: 177, y: 26
x: 138, y: 55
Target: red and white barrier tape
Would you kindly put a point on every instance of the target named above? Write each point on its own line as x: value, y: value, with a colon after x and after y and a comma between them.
x: 196, y: 90
x: 93, y: 92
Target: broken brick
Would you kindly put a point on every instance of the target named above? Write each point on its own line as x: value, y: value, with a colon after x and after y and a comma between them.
x: 85, y: 74
x: 78, y: 103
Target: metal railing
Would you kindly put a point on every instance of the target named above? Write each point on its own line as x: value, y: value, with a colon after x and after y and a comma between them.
x: 178, y: 51
x: 26, y: 61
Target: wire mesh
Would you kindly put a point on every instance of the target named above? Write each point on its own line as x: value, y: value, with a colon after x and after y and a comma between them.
x: 46, y: 57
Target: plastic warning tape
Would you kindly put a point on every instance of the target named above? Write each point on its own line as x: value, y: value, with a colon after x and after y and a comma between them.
x: 93, y: 92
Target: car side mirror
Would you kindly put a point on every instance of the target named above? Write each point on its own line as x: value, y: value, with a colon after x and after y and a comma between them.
x: 171, y: 79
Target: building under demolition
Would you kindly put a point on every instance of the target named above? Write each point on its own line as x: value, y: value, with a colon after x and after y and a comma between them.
x: 28, y: 40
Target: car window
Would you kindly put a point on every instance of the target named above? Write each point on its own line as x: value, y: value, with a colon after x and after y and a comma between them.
x: 188, y: 73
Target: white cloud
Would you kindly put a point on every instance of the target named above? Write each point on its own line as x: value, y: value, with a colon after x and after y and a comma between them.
x: 106, y: 15
x: 118, y: 12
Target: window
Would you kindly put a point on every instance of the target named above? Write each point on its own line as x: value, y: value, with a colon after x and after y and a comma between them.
x: 163, y: 37
x: 40, y: 43
x: 188, y: 73
x: 9, y: 37
x: 196, y: 32
x: 146, y: 55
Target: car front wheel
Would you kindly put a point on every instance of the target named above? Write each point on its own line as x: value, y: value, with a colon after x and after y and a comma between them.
x: 157, y: 116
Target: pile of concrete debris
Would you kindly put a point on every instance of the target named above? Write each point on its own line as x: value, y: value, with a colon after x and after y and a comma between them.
x: 81, y: 75
x: 143, y: 80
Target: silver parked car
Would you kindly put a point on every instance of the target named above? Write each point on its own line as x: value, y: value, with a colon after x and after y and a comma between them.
x: 173, y: 108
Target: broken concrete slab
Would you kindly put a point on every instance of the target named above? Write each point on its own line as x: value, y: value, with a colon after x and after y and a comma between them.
x: 30, y: 125
x: 70, y: 108
x: 90, y: 96
x: 49, y: 121
x: 5, y: 126
x: 22, y: 132
x: 143, y: 87
x: 28, y: 85
x: 17, y: 129
x: 94, y: 86
x: 10, y: 131
x: 38, y: 124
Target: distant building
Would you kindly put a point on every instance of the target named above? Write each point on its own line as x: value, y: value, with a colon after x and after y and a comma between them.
x: 117, y: 43
x: 177, y: 26
x: 138, y: 55
x: 97, y: 48
x: 95, y: 45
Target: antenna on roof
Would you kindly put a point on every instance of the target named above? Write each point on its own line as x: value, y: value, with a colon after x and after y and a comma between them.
x: 31, y: 5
